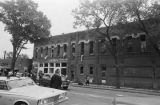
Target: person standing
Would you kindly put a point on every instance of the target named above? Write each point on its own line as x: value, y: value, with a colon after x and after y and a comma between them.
x: 56, y: 80
x: 87, y: 80
x: 40, y: 77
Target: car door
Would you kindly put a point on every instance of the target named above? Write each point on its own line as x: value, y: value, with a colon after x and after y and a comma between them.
x: 4, y: 93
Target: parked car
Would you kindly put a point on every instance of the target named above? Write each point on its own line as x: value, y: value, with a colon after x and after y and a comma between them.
x: 132, y: 100
x: 23, y: 91
x: 18, y: 74
x: 47, y: 78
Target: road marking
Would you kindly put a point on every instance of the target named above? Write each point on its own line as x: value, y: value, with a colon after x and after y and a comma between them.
x: 92, y: 95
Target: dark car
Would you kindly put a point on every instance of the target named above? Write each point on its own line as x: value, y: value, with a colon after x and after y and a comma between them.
x: 45, y: 81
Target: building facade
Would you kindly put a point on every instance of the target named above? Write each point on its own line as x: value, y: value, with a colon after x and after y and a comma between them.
x: 83, y: 54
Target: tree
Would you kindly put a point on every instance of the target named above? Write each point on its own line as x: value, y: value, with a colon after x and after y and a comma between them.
x: 9, y: 55
x: 101, y: 16
x: 24, y: 22
x: 147, y: 16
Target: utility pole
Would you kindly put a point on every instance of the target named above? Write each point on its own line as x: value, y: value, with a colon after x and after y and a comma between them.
x: 4, y: 54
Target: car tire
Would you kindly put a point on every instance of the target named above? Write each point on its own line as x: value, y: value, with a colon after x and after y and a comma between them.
x: 21, y: 103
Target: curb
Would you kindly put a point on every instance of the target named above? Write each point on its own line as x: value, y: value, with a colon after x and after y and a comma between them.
x: 123, y: 89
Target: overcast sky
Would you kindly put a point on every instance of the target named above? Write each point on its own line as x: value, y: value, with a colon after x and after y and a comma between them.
x: 58, y: 11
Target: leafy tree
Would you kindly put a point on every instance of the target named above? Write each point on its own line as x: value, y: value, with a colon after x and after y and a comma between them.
x: 147, y: 16
x: 24, y: 22
x: 101, y: 16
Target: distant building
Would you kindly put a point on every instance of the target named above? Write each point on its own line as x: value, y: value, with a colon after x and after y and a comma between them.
x: 22, y: 65
x: 82, y: 54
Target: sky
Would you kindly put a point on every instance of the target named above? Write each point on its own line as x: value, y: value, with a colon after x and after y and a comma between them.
x: 60, y: 14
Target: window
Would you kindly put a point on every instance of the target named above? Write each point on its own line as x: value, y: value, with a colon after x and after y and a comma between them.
x: 3, y: 85
x: 65, y: 47
x: 51, y: 64
x: 129, y: 44
x: 102, y: 46
x: 81, y: 70
x: 51, y: 70
x: 73, y: 48
x: 45, y: 70
x: 52, y: 51
x: 82, y: 48
x: 58, y: 50
x: 91, y: 47
x: 41, y: 64
x: 46, y: 51
x: 103, y: 70
x: 64, y: 71
x: 65, y: 50
x: 46, y: 65
x: 64, y: 64
x: 143, y: 42
x: 114, y: 41
x: 91, y: 70
x: 57, y: 64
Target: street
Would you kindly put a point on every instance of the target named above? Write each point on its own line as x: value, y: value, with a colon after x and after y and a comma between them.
x: 87, y: 96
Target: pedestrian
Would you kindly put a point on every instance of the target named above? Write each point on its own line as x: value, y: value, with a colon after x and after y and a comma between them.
x: 40, y: 74
x: 56, y: 80
x: 33, y: 76
x: 87, y: 80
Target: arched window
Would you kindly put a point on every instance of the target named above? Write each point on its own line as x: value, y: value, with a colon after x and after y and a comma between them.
x: 73, y: 48
x: 58, y: 50
x: 52, y: 51
x: 91, y: 47
x: 82, y: 48
x: 143, y: 42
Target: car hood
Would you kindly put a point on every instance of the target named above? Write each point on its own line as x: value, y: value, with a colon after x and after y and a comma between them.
x: 37, y: 92
x: 137, y: 100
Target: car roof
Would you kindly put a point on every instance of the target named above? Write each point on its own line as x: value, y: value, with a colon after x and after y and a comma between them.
x: 10, y: 78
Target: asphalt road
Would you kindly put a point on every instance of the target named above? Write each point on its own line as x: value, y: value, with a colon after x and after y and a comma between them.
x: 87, y: 96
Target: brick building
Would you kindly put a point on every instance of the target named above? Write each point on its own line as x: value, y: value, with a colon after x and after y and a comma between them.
x: 82, y: 54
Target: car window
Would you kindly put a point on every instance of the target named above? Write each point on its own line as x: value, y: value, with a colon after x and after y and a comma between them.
x: 3, y: 85
x: 20, y: 83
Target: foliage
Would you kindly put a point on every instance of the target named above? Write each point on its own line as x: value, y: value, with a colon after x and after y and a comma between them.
x: 24, y: 22
x: 147, y: 16
x: 102, y: 16
x: 96, y: 14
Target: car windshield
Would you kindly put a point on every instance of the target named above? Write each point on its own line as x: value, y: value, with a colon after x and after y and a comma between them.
x: 20, y: 83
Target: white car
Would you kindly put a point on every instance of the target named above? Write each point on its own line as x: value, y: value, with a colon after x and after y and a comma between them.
x: 23, y: 91
x: 133, y: 100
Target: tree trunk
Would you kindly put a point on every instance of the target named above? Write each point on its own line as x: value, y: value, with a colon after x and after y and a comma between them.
x: 13, y: 62
x: 117, y: 73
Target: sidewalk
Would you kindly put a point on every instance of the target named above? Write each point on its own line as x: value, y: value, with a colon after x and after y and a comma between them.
x: 124, y: 89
